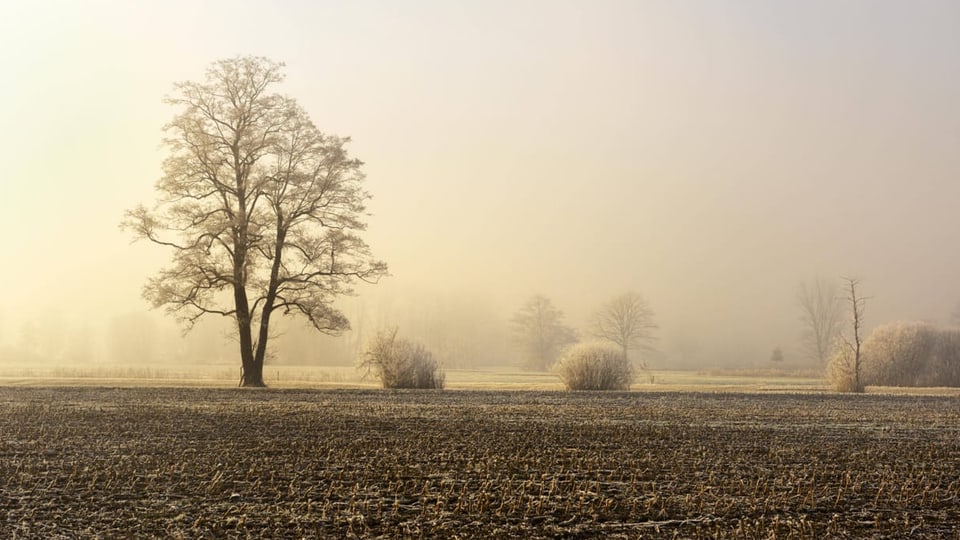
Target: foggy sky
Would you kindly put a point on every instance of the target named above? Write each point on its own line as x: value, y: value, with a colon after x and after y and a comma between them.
x: 710, y: 155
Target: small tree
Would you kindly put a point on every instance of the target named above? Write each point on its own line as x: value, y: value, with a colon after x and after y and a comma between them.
x: 539, y: 332
x: 400, y: 363
x: 595, y: 366
x: 845, y: 367
x: 626, y: 321
x: 820, y: 312
x: 776, y: 356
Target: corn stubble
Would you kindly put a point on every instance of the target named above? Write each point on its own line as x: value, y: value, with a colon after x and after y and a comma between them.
x: 212, y: 463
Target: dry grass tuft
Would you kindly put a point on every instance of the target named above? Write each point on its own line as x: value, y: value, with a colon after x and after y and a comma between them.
x: 401, y: 363
x: 595, y: 366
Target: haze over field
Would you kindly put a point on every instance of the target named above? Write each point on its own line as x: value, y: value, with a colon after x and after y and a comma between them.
x: 710, y: 155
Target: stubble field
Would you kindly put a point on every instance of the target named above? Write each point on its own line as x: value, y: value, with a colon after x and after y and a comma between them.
x: 91, y: 462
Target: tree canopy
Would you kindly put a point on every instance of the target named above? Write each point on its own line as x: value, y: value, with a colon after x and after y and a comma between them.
x: 626, y: 320
x: 821, y: 315
x: 262, y: 210
x: 540, y: 333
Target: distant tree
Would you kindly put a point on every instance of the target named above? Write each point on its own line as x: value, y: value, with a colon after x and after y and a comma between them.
x: 540, y: 333
x: 626, y: 321
x: 846, y: 365
x: 820, y: 312
x: 777, y: 355
x: 260, y: 209
x: 955, y: 315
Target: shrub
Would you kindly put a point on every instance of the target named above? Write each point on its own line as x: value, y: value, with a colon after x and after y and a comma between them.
x: 840, y: 370
x: 901, y: 354
x: 912, y: 354
x: 400, y: 363
x: 595, y: 366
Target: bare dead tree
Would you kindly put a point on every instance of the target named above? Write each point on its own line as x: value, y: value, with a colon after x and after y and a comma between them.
x: 260, y: 209
x: 539, y: 331
x: 856, y: 303
x: 821, y: 316
x: 627, y: 321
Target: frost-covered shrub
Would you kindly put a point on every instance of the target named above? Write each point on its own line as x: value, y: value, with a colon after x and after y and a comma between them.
x: 912, y: 354
x: 595, y: 366
x: 841, y: 371
x: 900, y: 354
x: 401, y: 363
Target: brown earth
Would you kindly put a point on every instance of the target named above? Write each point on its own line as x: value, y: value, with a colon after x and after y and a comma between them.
x: 230, y: 463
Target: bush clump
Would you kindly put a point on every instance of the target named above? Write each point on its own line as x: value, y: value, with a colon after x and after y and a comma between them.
x: 906, y: 354
x: 841, y: 370
x: 595, y: 366
x: 401, y: 363
x: 912, y: 354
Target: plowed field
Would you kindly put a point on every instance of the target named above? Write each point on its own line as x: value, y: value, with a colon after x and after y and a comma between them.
x: 231, y: 463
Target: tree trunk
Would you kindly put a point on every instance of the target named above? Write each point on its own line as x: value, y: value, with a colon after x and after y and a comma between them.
x: 267, y: 310
x: 261, y: 352
x: 252, y: 375
x: 857, y: 304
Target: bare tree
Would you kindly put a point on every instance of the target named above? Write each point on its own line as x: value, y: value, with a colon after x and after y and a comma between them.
x: 627, y: 321
x: 260, y: 209
x: 955, y: 315
x: 852, y: 360
x: 820, y: 313
x: 539, y: 331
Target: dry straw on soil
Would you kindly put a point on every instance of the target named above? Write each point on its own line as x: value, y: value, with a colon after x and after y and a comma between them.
x: 214, y: 463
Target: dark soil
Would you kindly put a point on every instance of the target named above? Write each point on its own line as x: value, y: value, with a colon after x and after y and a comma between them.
x: 222, y: 463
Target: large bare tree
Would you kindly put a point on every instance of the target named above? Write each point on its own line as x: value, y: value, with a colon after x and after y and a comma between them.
x: 539, y: 331
x: 627, y: 321
x: 261, y: 210
x: 820, y: 313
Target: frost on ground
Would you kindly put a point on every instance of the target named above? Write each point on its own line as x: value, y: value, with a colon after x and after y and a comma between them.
x: 212, y: 463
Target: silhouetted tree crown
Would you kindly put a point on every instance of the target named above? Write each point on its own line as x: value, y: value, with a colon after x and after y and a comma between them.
x: 262, y: 211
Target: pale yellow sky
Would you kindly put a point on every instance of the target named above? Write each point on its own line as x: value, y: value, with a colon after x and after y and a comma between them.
x: 708, y: 154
